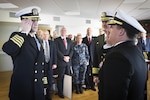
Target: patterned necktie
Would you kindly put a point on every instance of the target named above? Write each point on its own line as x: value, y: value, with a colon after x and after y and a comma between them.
x: 47, y: 52
x: 89, y: 40
x: 65, y: 43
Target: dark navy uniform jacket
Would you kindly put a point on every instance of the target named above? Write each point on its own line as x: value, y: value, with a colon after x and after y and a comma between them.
x: 123, y: 74
x: 28, y: 71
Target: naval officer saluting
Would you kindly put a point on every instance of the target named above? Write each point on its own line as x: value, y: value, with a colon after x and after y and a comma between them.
x: 27, y: 81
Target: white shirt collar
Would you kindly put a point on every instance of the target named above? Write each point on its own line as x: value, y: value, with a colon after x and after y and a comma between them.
x: 63, y: 37
x: 119, y: 43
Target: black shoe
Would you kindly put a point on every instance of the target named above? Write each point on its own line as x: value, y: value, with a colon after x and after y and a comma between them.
x: 61, y: 95
x: 48, y: 98
x: 77, y: 89
x: 93, y: 89
x: 80, y: 89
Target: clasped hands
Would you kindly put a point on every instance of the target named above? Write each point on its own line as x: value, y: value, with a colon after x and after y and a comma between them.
x: 66, y: 58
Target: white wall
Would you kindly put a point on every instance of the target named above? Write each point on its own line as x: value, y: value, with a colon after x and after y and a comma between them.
x: 74, y: 25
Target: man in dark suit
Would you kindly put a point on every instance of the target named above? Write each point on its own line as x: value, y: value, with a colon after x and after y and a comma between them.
x: 124, y: 72
x: 28, y: 77
x: 89, y: 40
x: 64, y: 55
x: 50, y: 59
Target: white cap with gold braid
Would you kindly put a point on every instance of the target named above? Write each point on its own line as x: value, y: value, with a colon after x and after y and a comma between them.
x: 126, y: 21
x: 29, y: 12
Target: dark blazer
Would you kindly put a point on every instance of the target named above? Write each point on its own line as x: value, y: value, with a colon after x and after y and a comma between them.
x: 53, y: 53
x: 62, y: 51
x: 53, y: 60
x: 91, y: 47
x: 144, y: 48
x: 28, y: 71
x: 62, y: 66
x: 123, y: 74
x: 99, y: 42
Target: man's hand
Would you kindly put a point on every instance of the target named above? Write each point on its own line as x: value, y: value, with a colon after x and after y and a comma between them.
x: 66, y: 58
x: 96, y: 79
x: 26, y: 25
x: 54, y: 66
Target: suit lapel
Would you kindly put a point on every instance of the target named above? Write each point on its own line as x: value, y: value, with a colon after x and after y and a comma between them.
x: 33, y: 42
x: 50, y: 48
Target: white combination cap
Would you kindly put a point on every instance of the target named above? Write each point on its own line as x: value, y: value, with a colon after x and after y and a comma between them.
x: 126, y: 21
x: 29, y: 12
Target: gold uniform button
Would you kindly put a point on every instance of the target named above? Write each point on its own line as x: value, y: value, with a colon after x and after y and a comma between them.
x: 35, y: 80
x: 35, y: 71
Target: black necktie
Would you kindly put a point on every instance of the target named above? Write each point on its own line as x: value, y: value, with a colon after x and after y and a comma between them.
x: 143, y: 44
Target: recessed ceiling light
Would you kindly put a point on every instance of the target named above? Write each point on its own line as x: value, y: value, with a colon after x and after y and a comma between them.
x: 144, y: 8
x: 134, y: 1
x: 72, y: 13
x: 7, y: 5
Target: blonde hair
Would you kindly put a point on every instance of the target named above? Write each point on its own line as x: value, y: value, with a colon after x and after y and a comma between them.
x: 79, y: 34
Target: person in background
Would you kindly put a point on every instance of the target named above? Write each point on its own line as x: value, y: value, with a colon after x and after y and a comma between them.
x: 80, y: 60
x: 39, y: 35
x: 50, y: 36
x: 50, y: 54
x: 28, y: 78
x: 55, y: 35
x: 102, y: 46
x: 144, y: 45
x: 70, y: 36
x: 89, y: 40
x: 64, y: 48
x: 124, y: 72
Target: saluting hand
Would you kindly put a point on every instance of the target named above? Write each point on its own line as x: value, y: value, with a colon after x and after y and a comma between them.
x: 26, y: 25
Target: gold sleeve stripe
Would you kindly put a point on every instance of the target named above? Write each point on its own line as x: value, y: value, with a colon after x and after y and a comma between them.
x: 145, y: 55
x: 95, y: 70
x: 17, y: 40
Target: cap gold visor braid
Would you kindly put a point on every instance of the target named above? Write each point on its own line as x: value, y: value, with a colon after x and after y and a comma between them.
x: 111, y: 22
x: 106, y: 18
x: 37, y: 18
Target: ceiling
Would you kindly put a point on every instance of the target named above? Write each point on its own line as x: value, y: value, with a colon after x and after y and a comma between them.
x: 140, y: 9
